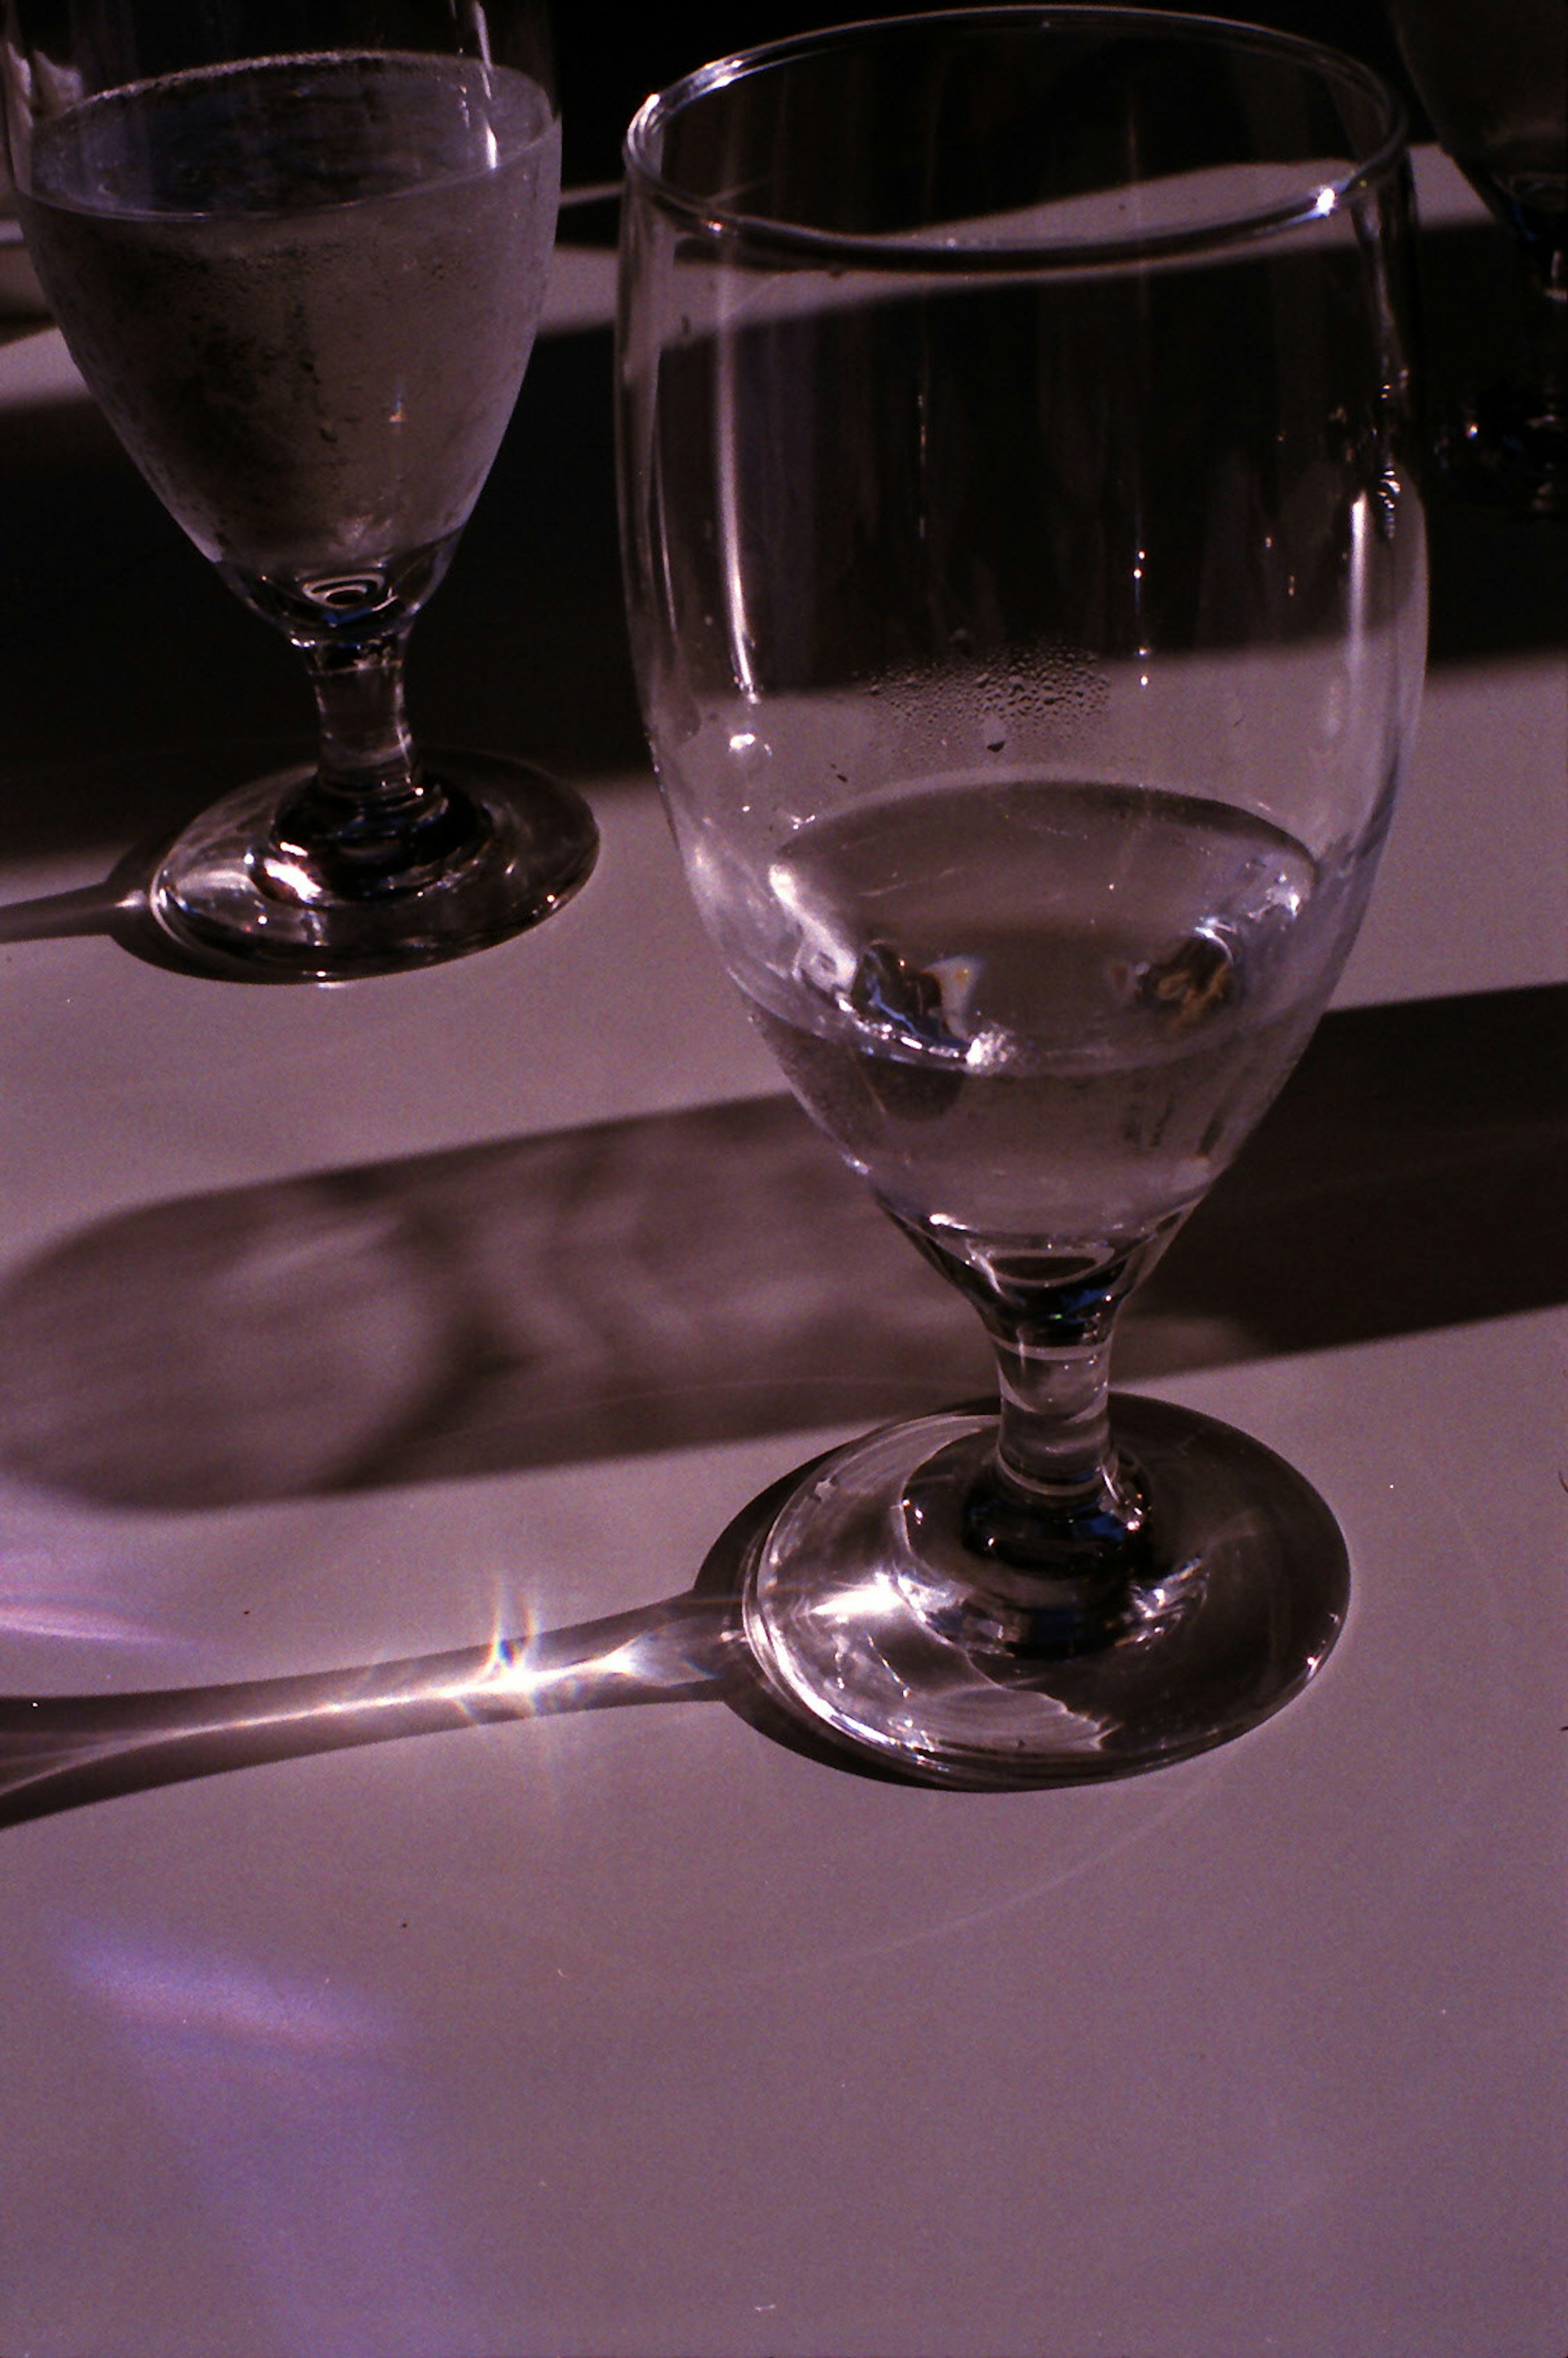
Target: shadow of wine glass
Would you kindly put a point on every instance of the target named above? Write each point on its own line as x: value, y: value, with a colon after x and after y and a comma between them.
x: 690, y: 1279
x: 678, y: 1282
x: 631, y: 1287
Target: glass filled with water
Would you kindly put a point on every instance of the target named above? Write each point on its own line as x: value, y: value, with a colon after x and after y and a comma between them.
x: 1027, y: 587
x: 300, y: 254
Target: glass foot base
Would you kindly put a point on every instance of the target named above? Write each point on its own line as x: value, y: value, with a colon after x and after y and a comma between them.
x: 1241, y: 1587
x: 234, y: 907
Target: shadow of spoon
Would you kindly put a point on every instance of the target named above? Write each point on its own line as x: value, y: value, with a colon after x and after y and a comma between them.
x: 120, y: 909
x: 61, y: 1752
x: 57, y: 1752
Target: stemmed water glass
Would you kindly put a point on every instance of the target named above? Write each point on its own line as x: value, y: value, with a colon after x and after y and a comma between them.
x: 1494, y: 82
x: 1027, y: 588
x: 298, y: 252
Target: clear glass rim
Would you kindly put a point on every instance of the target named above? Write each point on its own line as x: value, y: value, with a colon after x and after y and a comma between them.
x: 933, y: 250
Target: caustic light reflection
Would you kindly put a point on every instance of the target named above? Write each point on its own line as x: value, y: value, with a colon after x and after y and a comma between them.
x: 312, y: 2149
x: 71, y: 1621
x: 662, y: 1650
x: 56, y: 1588
x: 204, y: 1997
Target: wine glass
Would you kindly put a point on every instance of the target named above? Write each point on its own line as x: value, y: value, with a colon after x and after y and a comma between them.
x: 298, y: 254
x: 1494, y: 82
x: 1027, y: 588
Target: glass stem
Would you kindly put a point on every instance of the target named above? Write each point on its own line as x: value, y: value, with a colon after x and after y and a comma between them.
x: 370, y: 822
x: 1053, y: 1440
x: 1053, y: 1514
x: 1054, y: 1493
x: 365, y: 744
